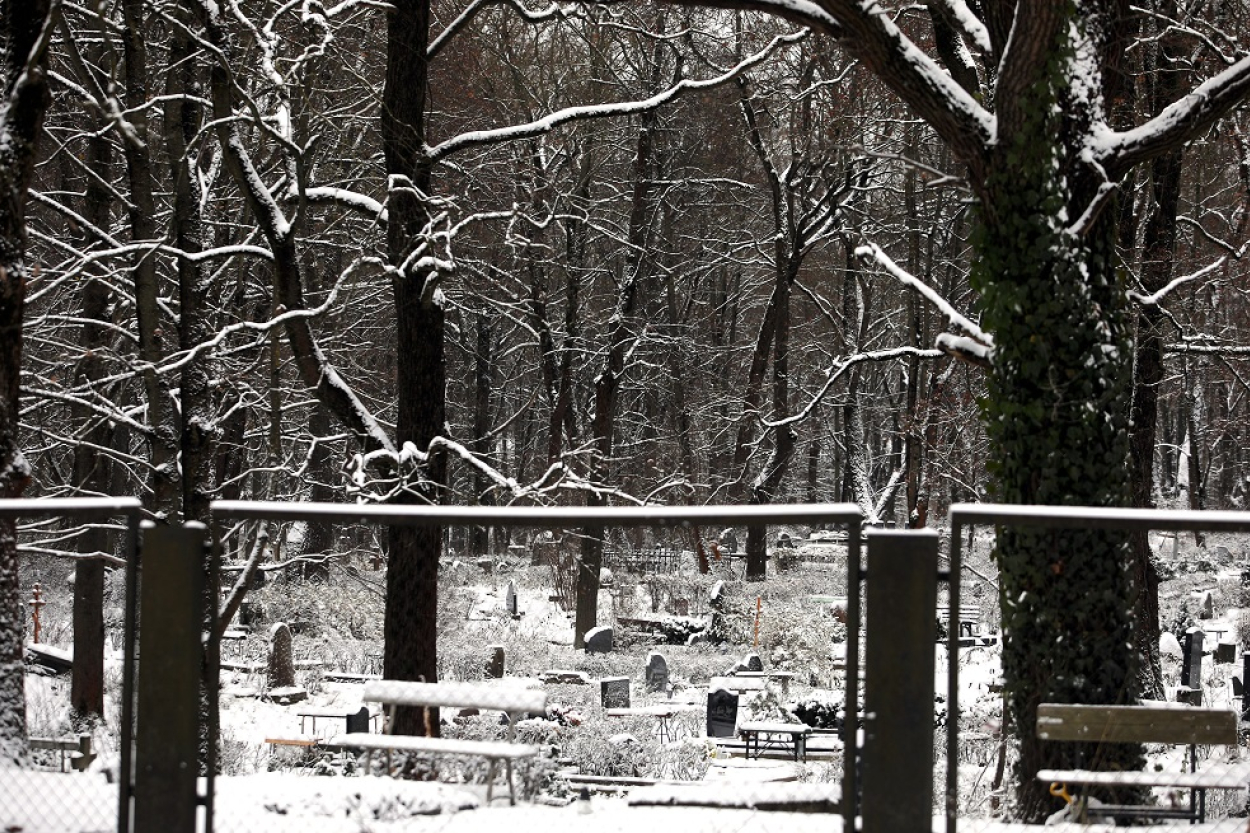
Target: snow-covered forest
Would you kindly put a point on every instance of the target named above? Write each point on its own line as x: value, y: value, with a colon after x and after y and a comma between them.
x: 512, y: 252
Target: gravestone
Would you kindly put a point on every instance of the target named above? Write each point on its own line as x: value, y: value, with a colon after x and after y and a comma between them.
x: 1225, y: 652
x: 1238, y: 688
x: 1245, y: 692
x: 614, y: 692
x: 599, y: 640
x: 358, y: 722
x: 280, y: 669
x: 729, y: 541
x: 753, y: 662
x: 1208, y: 607
x: 510, y: 600
x: 657, y: 672
x: 716, y: 597
x: 495, y: 665
x: 681, y: 607
x: 1223, y: 555
x: 1191, y: 662
x: 722, y: 713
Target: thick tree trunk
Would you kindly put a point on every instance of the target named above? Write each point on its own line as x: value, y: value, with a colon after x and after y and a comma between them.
x: 1156, y: 270
x: 92, y: 470
x: 23, y: 85
x: 411, y: 649
x: 1056, y: 418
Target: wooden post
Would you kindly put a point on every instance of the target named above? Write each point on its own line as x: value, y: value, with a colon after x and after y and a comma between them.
x: 170, y: 666
x: 36, y: 604
x: 899, y: 681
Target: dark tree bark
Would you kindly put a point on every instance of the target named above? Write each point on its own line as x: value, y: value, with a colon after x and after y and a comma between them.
x: 92, y: 469
x: 24, y: 35
x: 411, y: 649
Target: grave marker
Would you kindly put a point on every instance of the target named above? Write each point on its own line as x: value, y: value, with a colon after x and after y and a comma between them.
x: 1245, y: 692
x: 37, y: 604
x: 495, y: 665
x: 510, y: 600
x: 614, y: 692
x: 722, y: 713
x: 657, y: 672
x: 753, y: 662
x: 1191, y: 662
x: 1225, y: 653
x: 599, y: 640
x: 358, y: 722
x: 281, y: 667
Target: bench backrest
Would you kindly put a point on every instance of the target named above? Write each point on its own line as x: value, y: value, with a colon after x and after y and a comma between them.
x: 1136, y: 724
x: 454, y: 694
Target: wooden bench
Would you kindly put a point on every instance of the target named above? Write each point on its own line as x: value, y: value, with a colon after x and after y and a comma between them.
x: 77, y: 751
x: 1144, y: 724
x: 391, y: 694
x: 969, y: 618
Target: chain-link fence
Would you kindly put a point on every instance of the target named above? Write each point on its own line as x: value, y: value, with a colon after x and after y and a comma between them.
x: 75, y: 583
x: 698, y: 699
x: 695, y: 692
x: 1118, y: 699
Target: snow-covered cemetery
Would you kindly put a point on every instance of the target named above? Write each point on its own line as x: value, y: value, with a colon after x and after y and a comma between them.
x: 694, y: 415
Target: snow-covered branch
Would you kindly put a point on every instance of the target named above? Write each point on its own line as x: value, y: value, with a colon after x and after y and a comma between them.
x: 871, y: 251
x: 1156, y: 297
x: 477, y: 138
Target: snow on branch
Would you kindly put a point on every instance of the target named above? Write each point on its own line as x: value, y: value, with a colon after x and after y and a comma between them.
x: 402, y: 470
x: 1181, y: 120
x: 1154, y: 298
x: 969, y: 24
x: 840, y: 366
x: 977, y: 336
x: 477, y: 138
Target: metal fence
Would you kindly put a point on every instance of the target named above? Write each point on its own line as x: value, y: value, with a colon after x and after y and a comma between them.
x: 95, y: 756
x: 1195, y: 766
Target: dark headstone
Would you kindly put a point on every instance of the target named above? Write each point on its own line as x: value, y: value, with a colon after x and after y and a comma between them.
x: 487, y: 565
x: 1223, y: 555
x: 495, y: 665
x: 716, y: 598
x: 1191, y: 661
x: 1238, y: 688
x: 614, y: 692
x: 722, y: 713
x: 729, y: 541
x: 1245, y: 696
x: 753, y: 662
x: 358, y: 722
x: 510, y: 599
x: 281, y: 669
x: 1225, y: 652
x: 657, y: 672
x: 1208, y: 607
x: 599, y: 640
x: 681, y: 607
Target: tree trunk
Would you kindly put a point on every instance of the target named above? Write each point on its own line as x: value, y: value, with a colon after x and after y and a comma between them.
x: 92, y: 469
x: 411, y: 647
x: 1056, y: 419
x: 23, y: 85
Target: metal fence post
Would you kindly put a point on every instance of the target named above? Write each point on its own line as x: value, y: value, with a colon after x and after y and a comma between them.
x: 900, y: 639
x: 170, y: 645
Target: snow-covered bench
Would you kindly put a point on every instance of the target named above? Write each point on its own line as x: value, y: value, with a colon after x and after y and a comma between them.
x: 391, y: 694
x: 1170, y: 724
